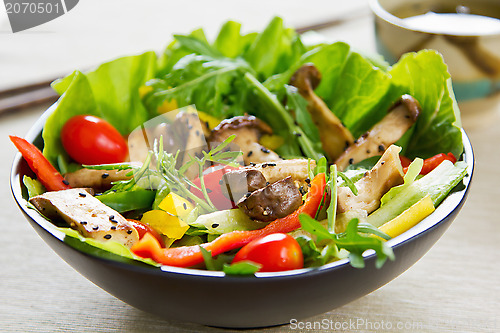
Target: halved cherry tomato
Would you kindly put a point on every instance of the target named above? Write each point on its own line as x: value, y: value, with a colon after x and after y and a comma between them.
x: 212, y: 182
x: 143, y: 228
x: 92, y: 140
x: 275, y: 252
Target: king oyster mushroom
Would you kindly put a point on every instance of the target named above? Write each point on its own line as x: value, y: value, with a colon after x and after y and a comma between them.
x: 335, y: 137
x: 83, y: 212
x: 386, y: 132
x: 99, y: 180
x: 387, y: 173
x: 248, y: 130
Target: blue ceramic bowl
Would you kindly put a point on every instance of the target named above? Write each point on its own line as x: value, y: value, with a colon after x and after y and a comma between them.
x: 268, y: 299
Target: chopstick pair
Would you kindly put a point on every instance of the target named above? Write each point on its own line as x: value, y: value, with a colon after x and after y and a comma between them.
x: 24, y: 97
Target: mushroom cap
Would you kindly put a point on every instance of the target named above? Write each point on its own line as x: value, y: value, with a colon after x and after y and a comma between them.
x: 238, y: 122
x: 411, y: 104
x: 306, y: 78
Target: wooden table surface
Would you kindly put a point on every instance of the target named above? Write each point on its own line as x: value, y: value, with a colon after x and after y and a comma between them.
x: 454, y: 288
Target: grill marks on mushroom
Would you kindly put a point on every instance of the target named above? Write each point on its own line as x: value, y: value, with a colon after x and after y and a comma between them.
x: 274, y: 201
x: 88, y: 215
x: 386, y: 132
x: 335, y: 137
x: 248, y: 130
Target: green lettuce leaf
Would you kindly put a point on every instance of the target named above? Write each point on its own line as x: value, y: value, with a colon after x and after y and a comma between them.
x: 424, y: 75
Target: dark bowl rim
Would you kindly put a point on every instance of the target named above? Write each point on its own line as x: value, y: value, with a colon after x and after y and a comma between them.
x: 451, y: 203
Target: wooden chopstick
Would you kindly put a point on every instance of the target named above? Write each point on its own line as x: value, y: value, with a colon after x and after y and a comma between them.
x: 24, y: 97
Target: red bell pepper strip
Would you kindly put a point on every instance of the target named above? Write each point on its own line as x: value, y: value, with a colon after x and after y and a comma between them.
x: 432, y: 162
x: 429, y: 163
x: 45, y: 172
x: 187, y: 256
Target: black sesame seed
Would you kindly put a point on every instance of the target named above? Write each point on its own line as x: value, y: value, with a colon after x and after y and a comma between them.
x: 264, y: 165
x: 368, y: 151
x: 252, y: 164
x: 250, y: 153
x: 351, y: 161
x: 248, y: 194
x: 107, y: 236
x: 207, y: 124
x: 113, y: 227
x: 83, y: 195
x: 382, y: 163
x: 265, y: 150
x: 267, y: 183
x: 95, y: 228
x: 65, y: 182
x: 111, y: 217
x: 83, y: 222
x: 185, y: 206
x: 307, y: 180
x: 381, y: 148
x: 105, y: 175
x: 215, y: 225
x: 271, y: 164
x: 129, y: 232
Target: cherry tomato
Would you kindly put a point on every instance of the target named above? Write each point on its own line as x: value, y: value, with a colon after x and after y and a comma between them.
x: 143, y: 228
x: 92, y: 140
x: 212, y: 183
x: 275, y: 252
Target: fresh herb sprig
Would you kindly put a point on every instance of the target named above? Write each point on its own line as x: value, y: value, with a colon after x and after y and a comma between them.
x: 167, y: 173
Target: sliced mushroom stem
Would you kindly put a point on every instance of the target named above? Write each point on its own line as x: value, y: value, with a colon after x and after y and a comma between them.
x: 387, y: 173
x: 383, y: 134
x: 334, y: 136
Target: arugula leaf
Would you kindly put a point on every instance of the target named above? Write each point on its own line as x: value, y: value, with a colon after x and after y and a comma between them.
x: 212, y: 85
x: 356, y: 244
x: 353, y: 240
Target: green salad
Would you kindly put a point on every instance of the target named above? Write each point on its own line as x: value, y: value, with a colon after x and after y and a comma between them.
x: 252, y: 152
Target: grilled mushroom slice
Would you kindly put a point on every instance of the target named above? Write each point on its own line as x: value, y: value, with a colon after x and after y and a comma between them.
x: 335, y: 137
x: 274, y: 201
x: 298, y: 169
x: 387, y: 173
x: 99, y: 180
x: 383, y: 134
x: 85, y: 213
x: 248, y: 130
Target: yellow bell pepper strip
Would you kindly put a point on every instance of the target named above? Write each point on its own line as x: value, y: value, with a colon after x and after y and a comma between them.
x: 187, y: 256
x: 45, y: 172
x: 409, y: 218
x: 165, y: 223
x: 176, y: 205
